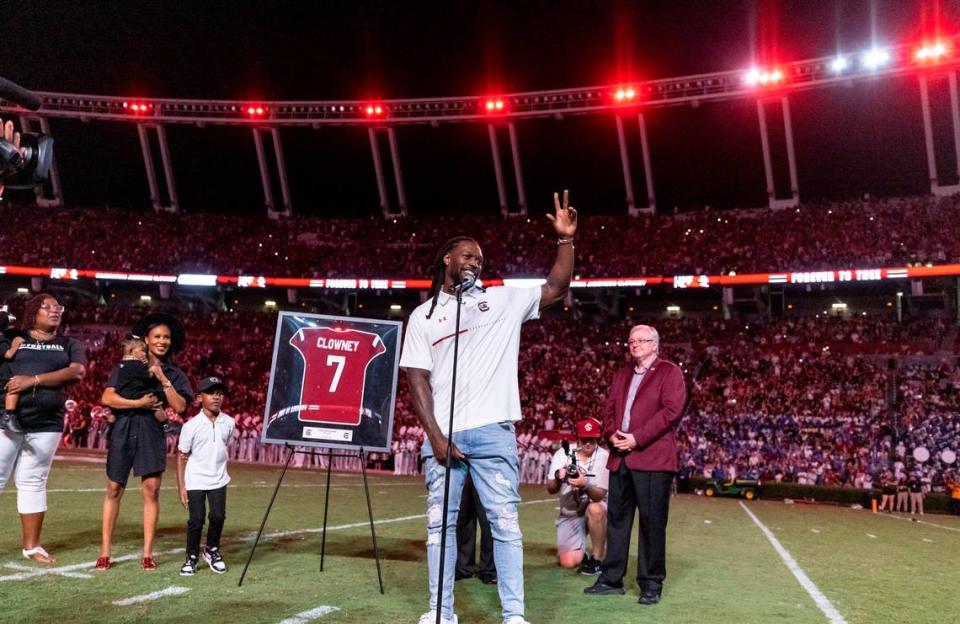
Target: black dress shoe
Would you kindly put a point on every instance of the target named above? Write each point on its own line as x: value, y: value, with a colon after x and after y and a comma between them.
x: 650, y: 596
x: 603, y: 589
x: 487, y: 579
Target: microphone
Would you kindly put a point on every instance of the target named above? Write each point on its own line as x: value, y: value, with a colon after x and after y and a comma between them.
x: 467, y: 281
x: 12, y: 92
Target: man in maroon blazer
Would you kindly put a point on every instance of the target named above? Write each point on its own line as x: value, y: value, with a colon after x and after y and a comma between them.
x: 642, y: 411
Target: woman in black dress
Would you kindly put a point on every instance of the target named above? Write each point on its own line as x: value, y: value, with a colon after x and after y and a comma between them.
x: 137, y: 439
x: 45, y: 364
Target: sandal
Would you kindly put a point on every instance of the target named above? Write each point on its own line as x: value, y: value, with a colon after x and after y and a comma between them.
x: 148, y: 564
x: 44, y: 556
x: 103, y: 563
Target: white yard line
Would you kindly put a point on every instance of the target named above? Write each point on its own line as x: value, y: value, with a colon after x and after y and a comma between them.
x: 923, y: 522
x: 312, y: 614
x: 61, y: 570
x: 170, y: 591
x: 174, y: 488
x: 26, y: 568
x: 355, y: 525
x: 73, y: 567
x: 82, y: 459
x: 822, y: 602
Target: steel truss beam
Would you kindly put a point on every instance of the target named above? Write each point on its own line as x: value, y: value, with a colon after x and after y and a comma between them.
x: 684, y: 90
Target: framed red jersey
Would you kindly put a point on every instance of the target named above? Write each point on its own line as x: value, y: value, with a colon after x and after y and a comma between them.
x: 333, y: 382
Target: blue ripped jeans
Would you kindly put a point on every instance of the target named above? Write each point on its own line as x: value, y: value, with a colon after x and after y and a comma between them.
x: 491, y: 453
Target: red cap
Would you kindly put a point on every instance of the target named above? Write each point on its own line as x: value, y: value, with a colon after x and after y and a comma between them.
x: 588, y: 428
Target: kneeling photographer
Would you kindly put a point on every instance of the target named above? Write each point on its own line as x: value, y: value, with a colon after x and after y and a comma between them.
x: 581, y: 478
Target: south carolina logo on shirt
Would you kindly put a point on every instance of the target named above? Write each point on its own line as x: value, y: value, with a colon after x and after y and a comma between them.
x: 483, y: 306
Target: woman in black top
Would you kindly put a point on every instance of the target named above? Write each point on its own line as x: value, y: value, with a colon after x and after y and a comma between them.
x: 137, y: 439
x: 46, y: 363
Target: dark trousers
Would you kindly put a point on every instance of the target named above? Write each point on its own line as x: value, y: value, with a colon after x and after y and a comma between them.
x: 471, y: 512
x: 218, y: 513
x: 648, y: 492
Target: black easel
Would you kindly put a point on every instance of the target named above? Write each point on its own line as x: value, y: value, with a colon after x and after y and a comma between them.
x: 323, y: 543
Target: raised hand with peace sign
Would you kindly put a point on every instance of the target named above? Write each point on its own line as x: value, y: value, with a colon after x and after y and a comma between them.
x: 564, y: 219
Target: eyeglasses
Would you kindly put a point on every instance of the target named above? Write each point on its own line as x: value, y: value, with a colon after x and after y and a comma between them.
x: 638, y: 342
x: 46, y: 307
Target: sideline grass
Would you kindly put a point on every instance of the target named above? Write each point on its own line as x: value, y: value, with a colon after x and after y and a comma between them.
x: 721, y: 568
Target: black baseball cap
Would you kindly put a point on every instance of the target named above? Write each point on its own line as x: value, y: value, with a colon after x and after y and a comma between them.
x: 209, y: 383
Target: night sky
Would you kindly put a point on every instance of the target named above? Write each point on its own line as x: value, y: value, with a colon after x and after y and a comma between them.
x: 850, y: 140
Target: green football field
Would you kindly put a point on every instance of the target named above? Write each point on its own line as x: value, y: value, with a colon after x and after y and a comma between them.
x: 818, y: 563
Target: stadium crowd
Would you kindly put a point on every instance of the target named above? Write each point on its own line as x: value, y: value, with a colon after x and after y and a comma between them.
x: 864, y: 233
x: 802, y: 399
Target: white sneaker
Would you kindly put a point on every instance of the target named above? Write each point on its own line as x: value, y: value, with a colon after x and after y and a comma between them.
x: 215, y: 560
x: 516, y: 619
x: 430, y: 617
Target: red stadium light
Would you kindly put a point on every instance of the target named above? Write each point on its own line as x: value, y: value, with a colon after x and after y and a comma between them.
x: 625, y: 95
x: 932, y: 53
x: 762, y: 77
x: 494, y: 105
x: 256, y: 110
x: 137, y: 108
x: 374, y: 110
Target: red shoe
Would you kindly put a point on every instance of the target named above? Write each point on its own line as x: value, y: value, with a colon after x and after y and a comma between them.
x: 148, y: 564
x: 103, y: 563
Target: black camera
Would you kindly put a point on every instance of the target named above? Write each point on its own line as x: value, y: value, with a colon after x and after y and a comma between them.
x: 28, y: 165
x: 573, y: 470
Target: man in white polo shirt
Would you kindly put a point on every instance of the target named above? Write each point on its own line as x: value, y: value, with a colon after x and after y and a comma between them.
x: 202, y: 474
x: 487, y: 402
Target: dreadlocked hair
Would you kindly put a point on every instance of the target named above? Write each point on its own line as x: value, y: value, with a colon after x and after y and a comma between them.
x: 439, y: 268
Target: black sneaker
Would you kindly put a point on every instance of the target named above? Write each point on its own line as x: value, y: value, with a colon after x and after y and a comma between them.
x: 189, y: 567
x: 650, y: 596
x: 590, y: 567
x: 603, y: 589
x: 215, y: 560
x: 650, y: 593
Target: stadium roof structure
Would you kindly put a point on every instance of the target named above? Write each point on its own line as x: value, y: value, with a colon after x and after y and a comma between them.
x: 769, y: 86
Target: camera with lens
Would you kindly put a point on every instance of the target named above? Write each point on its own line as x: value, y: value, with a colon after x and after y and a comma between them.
x: 29, y: 164
x: 573, y: 469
